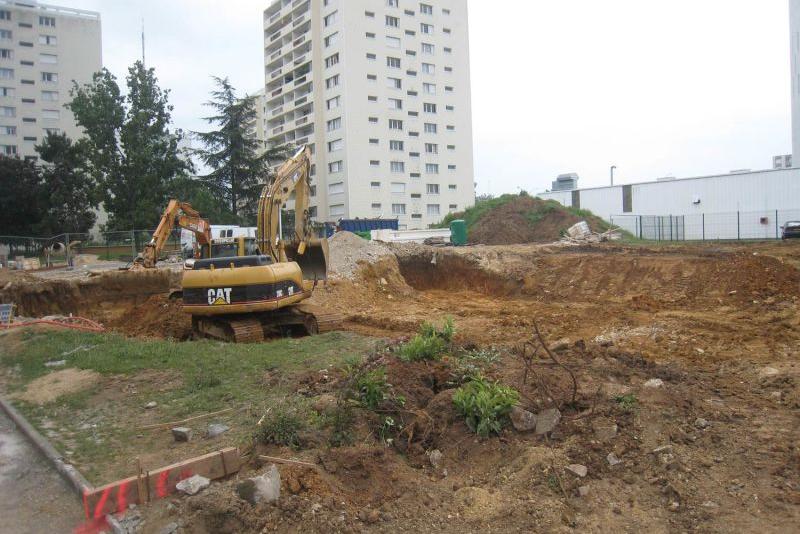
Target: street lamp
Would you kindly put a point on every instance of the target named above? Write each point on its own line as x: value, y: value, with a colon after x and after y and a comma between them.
x: 613, y: 168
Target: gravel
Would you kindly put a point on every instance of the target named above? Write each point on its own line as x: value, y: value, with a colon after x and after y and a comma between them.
x: 347, y: 250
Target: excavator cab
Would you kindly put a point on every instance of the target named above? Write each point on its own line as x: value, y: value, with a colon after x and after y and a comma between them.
x: 313, y: 260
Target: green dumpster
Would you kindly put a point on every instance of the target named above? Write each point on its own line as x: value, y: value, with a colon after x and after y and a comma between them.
x: 458, y: 233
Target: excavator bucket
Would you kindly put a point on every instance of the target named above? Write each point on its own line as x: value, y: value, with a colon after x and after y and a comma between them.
x: 313, y: 260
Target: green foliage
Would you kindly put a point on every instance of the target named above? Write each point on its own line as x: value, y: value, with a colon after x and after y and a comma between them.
x: 129, y: 149
x: 282, y: 427
x: 485, y: 405
x: 364, y: 235
x: 372, y: 388
x: 21, y: 205
x: 430, y: 343
x: 481, y: 207
x: 341, y: 423
x: 68, y: 192
x: 471, y: 364
x: 239, y: 163
x: 627, y: 403
x: 204, y: 379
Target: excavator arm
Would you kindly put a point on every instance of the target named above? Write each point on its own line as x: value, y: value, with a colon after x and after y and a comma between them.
x: 182, y: 215
x: 311, y: 253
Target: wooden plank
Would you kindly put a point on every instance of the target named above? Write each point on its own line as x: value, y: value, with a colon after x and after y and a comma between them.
x: 116, y: 496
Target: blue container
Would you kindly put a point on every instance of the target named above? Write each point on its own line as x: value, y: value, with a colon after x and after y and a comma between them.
x: 365, y: 225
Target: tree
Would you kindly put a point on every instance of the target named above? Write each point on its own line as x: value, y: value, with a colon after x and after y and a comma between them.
x: 68, y: 193
x: 239, y: 165
x: 129, y: 148
x: 20, y: 205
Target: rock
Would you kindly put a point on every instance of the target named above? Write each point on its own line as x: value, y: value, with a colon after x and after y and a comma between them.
x: 547, y: 420
x: 435, y: 457
x: 561, y: 344
x: 654, y: 383
x: 605, y: 430
x: 523, y: 420
x: 578, y: 470
x: 170, y: 528
x: 193, y: 485
x: 583, y: 491
x: 701, y: 423
x: 369, y: 516
x: 182, y: 433
x: 316, y: 508
x: 150, y: 405
x: 662, y: 449
x: 612, y: 459
x: 325, y: 404
x: 768, y: 371
x: 264, y: 488
x: 216, y: 429
x: 55, y: 363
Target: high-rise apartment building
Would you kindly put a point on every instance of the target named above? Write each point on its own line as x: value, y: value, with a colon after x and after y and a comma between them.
x: 43, y: 49
x: 381, y: 91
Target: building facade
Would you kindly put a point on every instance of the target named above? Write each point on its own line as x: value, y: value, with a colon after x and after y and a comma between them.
x: 380, y: 89
x: 256, y: 128
x: 43, y: 49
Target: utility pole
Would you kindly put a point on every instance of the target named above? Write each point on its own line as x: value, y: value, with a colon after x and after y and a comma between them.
x: 613, y: 168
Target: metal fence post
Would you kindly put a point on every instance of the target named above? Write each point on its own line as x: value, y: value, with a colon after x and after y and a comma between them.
x: 670, y: 228
x: 703, y: 215
x: 738, y: 226
x: 641, y: 232
x: 133, y: 244
x: 777, y: 233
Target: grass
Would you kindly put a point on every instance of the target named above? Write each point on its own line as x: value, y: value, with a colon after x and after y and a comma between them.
x: 101, y: 426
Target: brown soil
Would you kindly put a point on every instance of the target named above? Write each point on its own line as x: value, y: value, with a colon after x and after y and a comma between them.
x: 51, y: 386
x: 515, y: 223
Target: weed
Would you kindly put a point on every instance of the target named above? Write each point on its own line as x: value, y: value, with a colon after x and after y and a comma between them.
x: 472, y: 363
x: 430, y: 343
x: 627, y: 403
x: 341, y: 423
x: 485, y: 405
x: 282, y: 427
x: 204, y: 379
x: 387, y: 429
x: 372, y: 388
x: 553, y: 483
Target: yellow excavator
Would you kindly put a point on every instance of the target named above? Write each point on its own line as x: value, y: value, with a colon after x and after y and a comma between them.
x: 182, y: 215
x: 245, y: 298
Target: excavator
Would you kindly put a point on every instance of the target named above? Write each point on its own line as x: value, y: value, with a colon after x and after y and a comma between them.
x: 245, y: 298
x: 180, y: 214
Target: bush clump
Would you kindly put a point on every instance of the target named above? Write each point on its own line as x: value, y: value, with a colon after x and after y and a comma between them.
x: 430, y: 343
x: 282, y: 427
x: 485, y: 405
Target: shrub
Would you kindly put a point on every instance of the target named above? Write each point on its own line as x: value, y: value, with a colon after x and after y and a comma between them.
x: 430, y: 343
x: 341, y: 423
x: 485, y: 405
x: 627, y: 403
x: 372, y: 388
x: 282, y: 427
x: 472, y: 363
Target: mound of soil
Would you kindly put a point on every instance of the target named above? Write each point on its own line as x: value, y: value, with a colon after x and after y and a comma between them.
x: 527, y: 220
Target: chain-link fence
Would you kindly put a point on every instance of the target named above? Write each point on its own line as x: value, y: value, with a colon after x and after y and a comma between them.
x: 120, y: 246
x: 759, y: 225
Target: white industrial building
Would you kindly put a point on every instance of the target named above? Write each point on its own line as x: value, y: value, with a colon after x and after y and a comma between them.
x: 380, y: 89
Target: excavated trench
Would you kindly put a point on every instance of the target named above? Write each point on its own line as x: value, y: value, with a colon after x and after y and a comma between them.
x: 433, y: 270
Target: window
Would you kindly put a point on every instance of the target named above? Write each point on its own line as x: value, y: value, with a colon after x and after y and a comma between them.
x: 375, y: 185
x: 413, y: 134
x: 53, y: 131
x: 28, y: 100
x: 411, y: 53
x: 413, y: 114
x: 330, y: 19
x: 336, y: 210
x: 431, y: 148
x: 336, y: 189
x: 394, y: 83
x: 374, y: 163
x: 392, y: 3
x: 393, y: 62
x: 8, y: 130
x: 330, y: 61
x: 395, y: 103
x: 26, y: 63
x: 376, y: 205
x: 446, y: 11
x: 452, y: 187
x: 426, y: 28
x: 370, y: 35
x: 432, y: 168
x: 5, y: 53
x: 371, y: 57
x: 395, y: 124
x: 430, y: 128
x: 394, y: 22
x: 396, y: 145
x: 453, y: 207
x: 448, y: 89
x: 334, y: 124
x: 331, y: 39
x: 51, y: 114
x: 413, y: 154
x: 450, y: 108
x: 448, y: 50
x: 398, y: 209
x: 429, y: 88
x: 312, y: 211
x: 392, y: 42
x: 448, y: 69
x: 6, y: 74
x: 433, y: 210
x: 451, y: 128
x: 27, y: 82
x: 428, y: 68
x: 429, y: 108
x: 312, y: 191
x: 333, y: 103
x: 49, y: 77
x: 5, y: 34
x: 372, y: 78
x: 9, y: 150
x: 428, y: 48
x: 398, y: 166
x: 451, y: 167
x: 48, y: 59
x: 374, y: 141
x: 26, y: 44
x: 446, y: 30
x: 334, y: 167
x: 372, y: 98
x: 332, y: 82
x: 47, y: 21
x: 6, y: 91
x: 373, y: 120
x: 335, y: 145
x: 398, y: 188
x: 416, y: 215
x: 411, y: 33
x: 5, y: 15
x: 416, y: 195
x: 369, y: 14
x: 432, y: 189
x: 426, y: 9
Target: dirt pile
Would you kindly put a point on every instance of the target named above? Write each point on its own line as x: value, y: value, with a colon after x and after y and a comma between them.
x: 348, y: 252
x: 525, y: 219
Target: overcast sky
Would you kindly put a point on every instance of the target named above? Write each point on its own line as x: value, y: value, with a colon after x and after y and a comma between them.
x: 678, y: 88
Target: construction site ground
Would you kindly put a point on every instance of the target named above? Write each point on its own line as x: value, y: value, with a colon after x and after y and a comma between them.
x: 709, y: 445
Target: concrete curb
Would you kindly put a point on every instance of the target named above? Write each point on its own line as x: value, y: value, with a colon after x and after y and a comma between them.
x: 66, y: 470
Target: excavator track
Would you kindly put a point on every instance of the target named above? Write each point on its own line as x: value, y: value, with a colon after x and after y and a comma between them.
x: 301, y: 319
x: 247, y: 330
x: 326, y: 320
x: 233, y: 330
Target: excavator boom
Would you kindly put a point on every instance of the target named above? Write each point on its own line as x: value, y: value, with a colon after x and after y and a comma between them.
x: 182, y: 215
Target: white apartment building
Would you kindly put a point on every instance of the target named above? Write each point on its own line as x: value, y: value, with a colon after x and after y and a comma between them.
x: 381, y: 91
x: 256, y: 128
x: 43, y: 49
